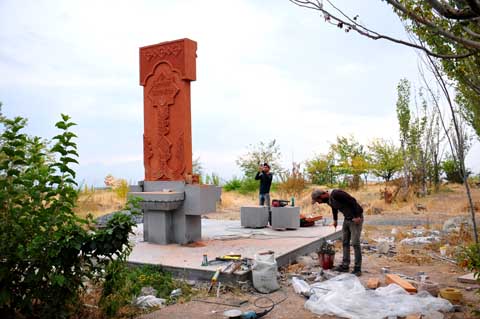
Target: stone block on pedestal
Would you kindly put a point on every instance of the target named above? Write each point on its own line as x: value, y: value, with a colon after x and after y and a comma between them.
x: 286, y: 217
x: 254, y: 216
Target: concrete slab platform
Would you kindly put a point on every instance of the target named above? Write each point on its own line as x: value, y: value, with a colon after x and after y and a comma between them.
x: 225, y: 237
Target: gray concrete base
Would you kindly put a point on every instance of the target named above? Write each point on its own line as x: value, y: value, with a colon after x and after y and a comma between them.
x: 224, y: 237
x: 285, y: 217
x: 254, y: 216
x: 172, y: 210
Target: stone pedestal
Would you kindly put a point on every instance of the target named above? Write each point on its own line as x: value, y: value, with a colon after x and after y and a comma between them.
x: 172, y: 210
x: 254, y: 216
x: 286, y: 217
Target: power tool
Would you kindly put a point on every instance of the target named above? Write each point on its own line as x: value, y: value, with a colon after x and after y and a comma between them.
x: 237, y: 314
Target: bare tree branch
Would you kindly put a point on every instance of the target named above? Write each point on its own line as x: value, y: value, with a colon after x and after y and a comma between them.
x: 351, y: 24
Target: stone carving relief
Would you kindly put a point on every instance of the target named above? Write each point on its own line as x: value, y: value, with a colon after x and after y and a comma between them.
x: 162, y: 52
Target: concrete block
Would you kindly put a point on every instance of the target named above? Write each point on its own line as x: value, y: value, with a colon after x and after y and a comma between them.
x: 254, y: 216
x: 286, y: 217
x: 159, y: 196
x: 135, y: 188
x: 160, y: 186
x: 158, y: 227
x: 201, y: 199
x: 193, y: 228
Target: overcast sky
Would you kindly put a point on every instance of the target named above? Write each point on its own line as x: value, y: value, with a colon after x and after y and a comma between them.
x: 266, y: 69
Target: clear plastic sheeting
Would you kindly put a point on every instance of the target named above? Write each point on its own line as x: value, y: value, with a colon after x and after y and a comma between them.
x: 149, y: 302
x: 344, y: 296
x: 301, y: 287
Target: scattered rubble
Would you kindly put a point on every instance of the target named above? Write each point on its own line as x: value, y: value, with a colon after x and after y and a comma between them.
x: 455, y: 223
x: 103, y: 220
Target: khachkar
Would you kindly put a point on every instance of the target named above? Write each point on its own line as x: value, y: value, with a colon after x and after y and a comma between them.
x: 166, y: 70
x: 172, y: 206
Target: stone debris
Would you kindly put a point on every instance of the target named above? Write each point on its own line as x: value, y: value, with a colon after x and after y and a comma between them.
x: 148, y: 302
x: 455, y: 223
x: 420, y: 240
x: 306, y: 261
x: 145, y: 291
x: 103, y: 220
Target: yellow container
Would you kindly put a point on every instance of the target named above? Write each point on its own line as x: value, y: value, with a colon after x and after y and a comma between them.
x: 453, y: 295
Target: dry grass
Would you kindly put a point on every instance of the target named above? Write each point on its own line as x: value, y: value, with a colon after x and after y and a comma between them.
x: 98, y: 203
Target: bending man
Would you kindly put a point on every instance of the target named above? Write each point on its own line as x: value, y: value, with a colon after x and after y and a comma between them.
x: 341, y: 201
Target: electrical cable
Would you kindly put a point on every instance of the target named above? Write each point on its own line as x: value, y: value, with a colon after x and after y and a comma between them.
x: 269, y: 307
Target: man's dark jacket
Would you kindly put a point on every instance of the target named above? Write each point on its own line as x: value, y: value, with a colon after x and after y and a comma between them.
x: 265, y: 181
x: 342, y: 201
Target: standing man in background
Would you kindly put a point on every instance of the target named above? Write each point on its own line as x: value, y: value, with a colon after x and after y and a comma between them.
x: 265, y: 178
x: 341, y: 201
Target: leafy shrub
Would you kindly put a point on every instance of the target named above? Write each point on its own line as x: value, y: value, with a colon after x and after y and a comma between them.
x: 249, y: 185
x: 451, y: 170
x: 46, y: 250
x: 469, y: 258
x: 123, y: 284
x: 233, y: 184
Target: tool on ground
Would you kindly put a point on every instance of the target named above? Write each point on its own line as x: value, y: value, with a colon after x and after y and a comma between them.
x: 267, y: 252
x: 307, y: 221
x: 205, y: 260
x: 236, y: 313
x: 229, y: 257
x: 214, y: 279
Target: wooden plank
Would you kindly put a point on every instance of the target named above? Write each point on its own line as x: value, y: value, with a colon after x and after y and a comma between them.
x: 395, y: 279
x: 467, y: 279
x: 373, y: 283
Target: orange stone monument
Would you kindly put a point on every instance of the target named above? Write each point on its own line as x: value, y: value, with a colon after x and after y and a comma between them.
x: 172, y: 200
x: 166, y: 70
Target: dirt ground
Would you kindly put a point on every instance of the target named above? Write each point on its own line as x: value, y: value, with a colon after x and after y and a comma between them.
x: 430, y: 212
x: 293, y: 306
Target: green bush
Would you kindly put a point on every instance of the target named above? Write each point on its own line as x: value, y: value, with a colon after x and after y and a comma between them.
x: 233, y: 185
x: 243, y: 186
x: 469, y: 258
x: 46, y: 251
x: 249, y: 185
x: 452, y: 172
x: 123, y: 284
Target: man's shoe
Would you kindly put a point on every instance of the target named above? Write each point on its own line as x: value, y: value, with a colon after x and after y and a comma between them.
x: 341, y: 268
x: 357, y: 272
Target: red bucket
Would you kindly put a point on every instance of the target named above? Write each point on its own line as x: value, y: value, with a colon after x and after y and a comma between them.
x: 326, y: 260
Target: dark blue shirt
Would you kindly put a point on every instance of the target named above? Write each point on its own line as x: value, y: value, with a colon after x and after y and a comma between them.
x: 265, y: 181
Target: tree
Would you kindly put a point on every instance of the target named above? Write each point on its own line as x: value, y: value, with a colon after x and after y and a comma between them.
x: 446, y: 30
x: 259, y: 154
x: 457, y: 137
x: 350, y: 159
x: 320, y: 170
x: 385, y: 159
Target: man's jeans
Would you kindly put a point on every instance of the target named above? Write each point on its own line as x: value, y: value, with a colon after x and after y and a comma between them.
x: 352, y: 231
x: 264, y: 199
